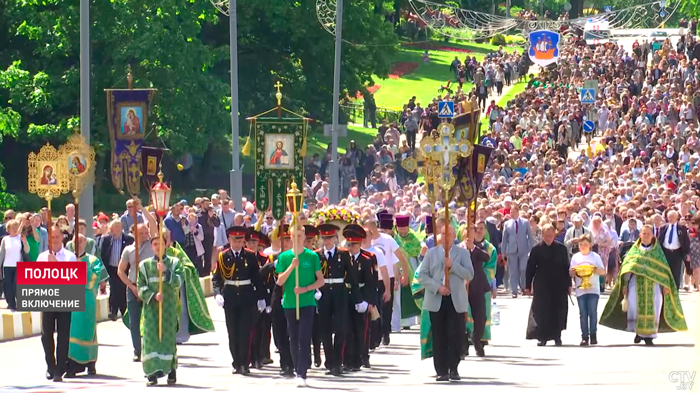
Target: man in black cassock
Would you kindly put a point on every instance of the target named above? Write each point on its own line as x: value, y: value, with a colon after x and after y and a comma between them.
x: 548, y: 271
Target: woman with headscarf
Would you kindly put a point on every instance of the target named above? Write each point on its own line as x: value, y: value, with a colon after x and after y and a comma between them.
x: 602, y: 243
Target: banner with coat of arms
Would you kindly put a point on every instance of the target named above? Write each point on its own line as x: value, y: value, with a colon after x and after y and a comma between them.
x: 127, y: 117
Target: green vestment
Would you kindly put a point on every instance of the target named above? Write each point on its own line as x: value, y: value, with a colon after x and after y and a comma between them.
x: 159, y: 354
x: 199, y: 319
x: 426, y: 336
x: 490, y: 270
x: 649, y: 267
x: 410, y: 246
x: 83, y: 326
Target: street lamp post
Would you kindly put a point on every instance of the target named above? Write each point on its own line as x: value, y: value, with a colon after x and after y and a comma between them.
x: 236, y: 173
x: 334, y: 172
x: 86, y: 198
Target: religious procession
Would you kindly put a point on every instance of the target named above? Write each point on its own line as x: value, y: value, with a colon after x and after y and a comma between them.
x: 460, y: 236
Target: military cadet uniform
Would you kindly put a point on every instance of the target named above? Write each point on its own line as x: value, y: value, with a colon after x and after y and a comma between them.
x: 238, y: 284
x: 260, y: 350
x: 311, y: 234
x: 358, y: 339
x: 279, y: 321
x: 333, y: 306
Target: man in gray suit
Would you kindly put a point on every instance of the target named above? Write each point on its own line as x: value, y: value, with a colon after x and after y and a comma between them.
x: 446, y: 303
x: 517, y: 242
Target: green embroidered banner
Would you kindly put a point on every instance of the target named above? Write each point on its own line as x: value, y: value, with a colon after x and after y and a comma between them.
x: 279, y: 158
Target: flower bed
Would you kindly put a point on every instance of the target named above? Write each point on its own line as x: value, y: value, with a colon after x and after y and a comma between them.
x: 372, y: 89
x: 401, y: 68
x: 334, y: 213
x: 436, y: 47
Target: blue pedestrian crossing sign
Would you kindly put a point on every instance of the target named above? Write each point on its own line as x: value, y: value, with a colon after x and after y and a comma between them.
x: 608, y: 8
x: 588, y: 96
x: 446, y: 109
x: 588, y: 126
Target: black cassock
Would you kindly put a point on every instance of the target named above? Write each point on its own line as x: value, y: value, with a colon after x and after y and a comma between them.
x: 547, y: 275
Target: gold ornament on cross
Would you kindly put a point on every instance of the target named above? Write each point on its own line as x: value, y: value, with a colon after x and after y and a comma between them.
x: 447, y: 151
x: 278, y: 95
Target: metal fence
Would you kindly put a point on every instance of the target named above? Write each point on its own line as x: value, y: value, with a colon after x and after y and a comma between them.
x: 355, y: 113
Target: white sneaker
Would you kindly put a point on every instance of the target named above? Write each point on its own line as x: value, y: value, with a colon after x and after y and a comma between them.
x: 301, y: 382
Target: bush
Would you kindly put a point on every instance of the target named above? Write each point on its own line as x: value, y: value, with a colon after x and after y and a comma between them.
x: 515, y: 40
x: 498, y: 40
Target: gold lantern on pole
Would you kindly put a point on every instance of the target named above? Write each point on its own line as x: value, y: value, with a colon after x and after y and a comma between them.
x: 294, y: 201
x: 160, y: 197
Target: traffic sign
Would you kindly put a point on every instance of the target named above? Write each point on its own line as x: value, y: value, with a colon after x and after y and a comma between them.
x: 588, y: 126
x: 446, y: 109
x: 342, y: 130
x: 608, y: 8
x: 587, y: 96
x: 662, y: 14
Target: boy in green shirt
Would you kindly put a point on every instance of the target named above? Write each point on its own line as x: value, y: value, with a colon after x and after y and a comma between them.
x: 310, y: 279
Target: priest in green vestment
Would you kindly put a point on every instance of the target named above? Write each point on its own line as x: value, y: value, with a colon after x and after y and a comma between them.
x: 194, y: 311
x: 426, y: 336
x: 82, y: 348
x: 159, y: 352
x: 645, y: 297
x: 490, y: 270
x: 412, y: 248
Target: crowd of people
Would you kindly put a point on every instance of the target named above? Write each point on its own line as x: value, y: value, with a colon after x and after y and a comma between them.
x: 620, y: 215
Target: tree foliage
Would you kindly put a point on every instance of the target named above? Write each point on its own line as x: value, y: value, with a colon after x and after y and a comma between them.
x: 181, y: 48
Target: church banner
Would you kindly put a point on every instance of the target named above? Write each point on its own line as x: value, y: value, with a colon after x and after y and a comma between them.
x: 544, y: 47
x: 150, y: 163
x: 127, y: 117
x: 278, y: 159
x: 470, y: 174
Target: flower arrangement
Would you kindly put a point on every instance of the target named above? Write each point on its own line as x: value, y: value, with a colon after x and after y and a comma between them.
x: 334, y: 213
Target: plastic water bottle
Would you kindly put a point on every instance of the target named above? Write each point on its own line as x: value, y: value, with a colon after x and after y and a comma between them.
x: 495, y: 315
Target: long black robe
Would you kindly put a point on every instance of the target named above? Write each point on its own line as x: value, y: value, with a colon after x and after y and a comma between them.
x: 548, y: 272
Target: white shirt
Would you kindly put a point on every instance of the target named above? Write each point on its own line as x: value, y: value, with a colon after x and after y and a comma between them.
x: 675, y: 242
x: 62, y: 255
x: 326, y: 251
x: 13, y: 251
x: 388, y: 246
x: 381, y: 260
x: 593, y: 259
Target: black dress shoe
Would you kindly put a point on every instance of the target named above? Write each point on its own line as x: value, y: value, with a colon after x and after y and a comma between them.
x: 317, y: 363
x: 172, y: 377
x: 152, y: 381
x: 480, y: 352
x: 541, y: 343
x: 365, y: 364
x: 49, y: 375
x: 137, y: 357
x: 112, y: 317
x: 289, y: 373
x: 648, y: 342
x: 594, y: 339
x: 442, y: 378
x: 386, y: 341
x: 267, y: 361
x: 584, y: 343
x: 58, y: 377
x: 557, y: 343
x: 91, y: 369
x: 258, y: 365
x: 70, y: 375
x: 237, y: 370
x: 245, y: 370
x: 637, y: 339
x: 454, y: 376
x: 335, y: 371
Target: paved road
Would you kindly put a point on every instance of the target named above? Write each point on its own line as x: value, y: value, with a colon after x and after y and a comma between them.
x: 512, y: 362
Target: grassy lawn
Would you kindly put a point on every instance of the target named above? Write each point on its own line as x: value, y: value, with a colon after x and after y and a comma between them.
x: 425, y: 80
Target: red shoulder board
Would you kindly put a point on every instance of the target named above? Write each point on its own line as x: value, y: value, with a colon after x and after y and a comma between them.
x: 343, y: 249
x: 367, y: 253
x: 249, y: 250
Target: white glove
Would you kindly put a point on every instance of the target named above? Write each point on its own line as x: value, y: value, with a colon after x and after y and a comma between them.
x: 219, y: 300
x: 317, y: 295
x: 268, y: 310
x: 261, y: 305
x: 361, y: 307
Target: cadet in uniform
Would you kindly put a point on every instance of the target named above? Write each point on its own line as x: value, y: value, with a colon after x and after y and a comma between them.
x: 279, y: 321
x: 364, y: 262
x: 310, y: 242
x: 260, y: 351
x: 333, y: 306
x: 238, y: 288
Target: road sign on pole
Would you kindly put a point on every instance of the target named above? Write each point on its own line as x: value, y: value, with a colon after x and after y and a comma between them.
x: 588, y: 126
x: 587, y: 96
x: 608, y: 8
x: 446, y: 109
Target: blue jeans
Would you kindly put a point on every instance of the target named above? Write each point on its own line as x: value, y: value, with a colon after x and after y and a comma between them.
x: 10, y: 274
x: 134, y: 306
x: 588, y: 311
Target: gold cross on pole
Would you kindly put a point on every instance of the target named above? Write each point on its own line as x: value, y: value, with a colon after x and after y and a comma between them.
x: 447, y: 151
x: 278, y: 95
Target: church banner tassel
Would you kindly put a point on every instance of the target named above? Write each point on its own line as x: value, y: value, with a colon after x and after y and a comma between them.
x: 245, y: 150
x: 302, y: 152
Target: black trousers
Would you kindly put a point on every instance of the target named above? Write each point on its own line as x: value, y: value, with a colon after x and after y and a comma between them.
x: 357, y: 339
x: 239, y: 324
x: 300, y: 337
x: 387, y: 308
x: 448, y: 335
x: 56, y: 355
x: 279, y: 331
x: 333, y: 319
x: 10, y: 274
x: 117, y: 292
x: 411, y: 139
x: 478, y: 308
x: 675, y: 262
x: 316, y: 338
x: 261, y: 337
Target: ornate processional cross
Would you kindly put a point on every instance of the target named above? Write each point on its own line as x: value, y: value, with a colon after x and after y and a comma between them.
x: 447, y: 151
